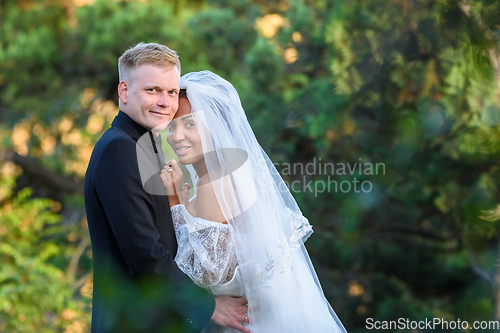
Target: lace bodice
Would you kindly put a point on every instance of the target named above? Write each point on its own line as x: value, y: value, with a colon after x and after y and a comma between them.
x: 205, y: 250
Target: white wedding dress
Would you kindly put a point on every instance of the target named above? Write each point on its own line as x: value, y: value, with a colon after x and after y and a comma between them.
x: 206, y: 254
x: 260, y: 253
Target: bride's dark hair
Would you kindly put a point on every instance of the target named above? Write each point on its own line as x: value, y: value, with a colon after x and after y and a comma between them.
x: 182, y: 93
x: 216, y: 104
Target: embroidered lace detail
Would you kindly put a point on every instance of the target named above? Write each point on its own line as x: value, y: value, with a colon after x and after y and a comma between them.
x: 205, y: 250
x: 262, y: 277
x: 301, y: 228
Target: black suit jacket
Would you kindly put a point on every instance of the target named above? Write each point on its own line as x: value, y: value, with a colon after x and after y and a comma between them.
x: 137, y: 285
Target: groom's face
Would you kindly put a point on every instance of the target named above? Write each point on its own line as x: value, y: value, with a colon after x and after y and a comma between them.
x: 150, y: 95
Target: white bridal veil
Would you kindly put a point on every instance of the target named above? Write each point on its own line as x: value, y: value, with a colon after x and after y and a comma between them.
x: 266, y: 224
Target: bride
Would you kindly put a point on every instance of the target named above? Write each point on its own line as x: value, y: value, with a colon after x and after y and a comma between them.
x: 242, y: 233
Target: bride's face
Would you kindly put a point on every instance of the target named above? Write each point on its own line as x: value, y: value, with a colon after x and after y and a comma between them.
x: 183, y: 136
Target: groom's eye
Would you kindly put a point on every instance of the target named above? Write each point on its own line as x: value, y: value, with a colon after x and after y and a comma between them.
x: 150, y: 90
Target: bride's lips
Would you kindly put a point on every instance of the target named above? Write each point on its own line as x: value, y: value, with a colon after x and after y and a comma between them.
x: 182, y: 150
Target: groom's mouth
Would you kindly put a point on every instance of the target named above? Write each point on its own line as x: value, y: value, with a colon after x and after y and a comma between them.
x: 182, y: 150
x: 160, y: 114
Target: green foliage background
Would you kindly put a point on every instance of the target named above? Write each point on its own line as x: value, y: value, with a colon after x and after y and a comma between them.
x: 407, y: 83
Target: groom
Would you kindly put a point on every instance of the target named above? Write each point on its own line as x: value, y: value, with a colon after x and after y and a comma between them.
x: 137, y: 285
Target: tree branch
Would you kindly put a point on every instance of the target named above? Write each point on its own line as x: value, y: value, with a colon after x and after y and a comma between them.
x: 81, y: 281
x: 479, y: 270
x: 73, y: 264
x: 51, y: 178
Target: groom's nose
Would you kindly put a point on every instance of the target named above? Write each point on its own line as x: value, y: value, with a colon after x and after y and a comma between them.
x: 163, y: 100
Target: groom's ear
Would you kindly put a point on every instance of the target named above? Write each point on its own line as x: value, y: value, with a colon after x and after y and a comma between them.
x: 123, y: 91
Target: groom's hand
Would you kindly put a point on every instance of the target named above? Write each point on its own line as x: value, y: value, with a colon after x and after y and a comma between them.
x: 231, y: 312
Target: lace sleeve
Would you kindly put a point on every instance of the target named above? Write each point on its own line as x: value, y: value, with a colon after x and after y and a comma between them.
x: 205, y: 251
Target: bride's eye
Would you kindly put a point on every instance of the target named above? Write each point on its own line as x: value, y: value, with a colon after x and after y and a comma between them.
x: 171, y: 126
x: 190, y: 124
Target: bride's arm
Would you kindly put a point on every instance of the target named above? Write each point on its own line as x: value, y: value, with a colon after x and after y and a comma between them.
x: 205, y: 253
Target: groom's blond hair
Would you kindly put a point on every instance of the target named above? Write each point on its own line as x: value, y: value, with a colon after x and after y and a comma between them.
x: 146, y: 53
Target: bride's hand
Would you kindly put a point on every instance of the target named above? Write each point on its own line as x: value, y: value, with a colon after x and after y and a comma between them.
x: 171, y: 176
x: 184, y: 196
